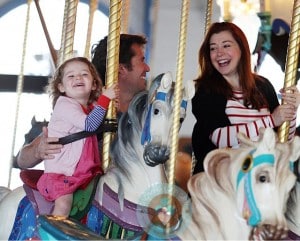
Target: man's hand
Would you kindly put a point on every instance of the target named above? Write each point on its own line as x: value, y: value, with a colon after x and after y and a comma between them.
x: 46, y: 149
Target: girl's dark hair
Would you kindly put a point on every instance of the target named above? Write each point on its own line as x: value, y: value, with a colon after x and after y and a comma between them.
x: 52, y: 87
x: 214, y: 82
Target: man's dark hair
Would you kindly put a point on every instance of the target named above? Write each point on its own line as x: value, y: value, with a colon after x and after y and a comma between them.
x: 99, y: 52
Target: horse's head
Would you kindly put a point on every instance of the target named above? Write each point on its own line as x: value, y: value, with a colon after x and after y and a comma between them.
x: 36, y: 129
x: 258, y: 175
x: 277, y: 45
x: 266, y: 178
x: 144, y: 130
x: 158, y: 118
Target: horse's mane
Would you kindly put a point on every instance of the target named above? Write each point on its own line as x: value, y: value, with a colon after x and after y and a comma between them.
x: 292, y: 213
x: 293, y: 210
x: 207, y: 192
x: 127, y: 146
x: 124, y: 148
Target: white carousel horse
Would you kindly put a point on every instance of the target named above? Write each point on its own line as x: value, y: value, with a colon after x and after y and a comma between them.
x: 137, y: 154
x: 241, y: 189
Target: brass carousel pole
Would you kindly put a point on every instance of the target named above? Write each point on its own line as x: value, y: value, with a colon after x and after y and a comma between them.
x: 208, y: 16
x: 68, y: 31
x: 125, y: 16
x: 154, y: 11
x: 112, y: 65
x: 93, y: 8
x: 20, y: 84
x: 177, y: 99
x: 62, y: 41
x: 291, y: 63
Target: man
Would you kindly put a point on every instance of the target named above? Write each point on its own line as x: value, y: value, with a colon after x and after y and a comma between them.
x: 132, y: 79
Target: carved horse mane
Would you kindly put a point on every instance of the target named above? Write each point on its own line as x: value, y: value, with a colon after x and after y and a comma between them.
x: 293, y: 207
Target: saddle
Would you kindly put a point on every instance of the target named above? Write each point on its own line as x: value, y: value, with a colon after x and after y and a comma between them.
x: 82, y: 198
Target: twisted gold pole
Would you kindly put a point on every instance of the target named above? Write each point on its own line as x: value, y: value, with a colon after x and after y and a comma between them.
x: 208, y: 16
x: 154, y: 11
x: 112, y: 66
x: 19, y: 90
x: 125, y: 16
x: 291, y: 63
x: 62, y: 40
x: 177, y: 98
x: 178, y: 89
x: 66, y: 48
x: 93, y: 8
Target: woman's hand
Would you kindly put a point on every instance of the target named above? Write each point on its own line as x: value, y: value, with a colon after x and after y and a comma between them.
x: 291, y: 95
x: 282, y: 113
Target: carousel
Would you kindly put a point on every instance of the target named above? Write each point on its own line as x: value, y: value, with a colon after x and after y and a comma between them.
x: 145, y: 193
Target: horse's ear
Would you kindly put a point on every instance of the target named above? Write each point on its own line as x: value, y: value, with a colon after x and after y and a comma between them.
x: 189, y: 90
x: 33, y: 120
x: 166, y: 82
x: 216, y: 165
x: 245, y: 140
x: 268, y: 139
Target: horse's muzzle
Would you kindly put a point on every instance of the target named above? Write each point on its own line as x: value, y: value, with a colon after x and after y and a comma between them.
x: 156, y: 154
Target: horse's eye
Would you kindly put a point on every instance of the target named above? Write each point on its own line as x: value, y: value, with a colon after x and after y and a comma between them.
x: 247, y: 164
x: 181, y: 120
x: 156, y: 111
x: 263, y: 177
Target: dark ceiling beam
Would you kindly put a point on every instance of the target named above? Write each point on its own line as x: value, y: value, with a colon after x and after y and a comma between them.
x: 32, y: 84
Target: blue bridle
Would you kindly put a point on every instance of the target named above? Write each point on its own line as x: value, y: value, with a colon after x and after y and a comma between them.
x: 146, y: 135
x: 255, y: 216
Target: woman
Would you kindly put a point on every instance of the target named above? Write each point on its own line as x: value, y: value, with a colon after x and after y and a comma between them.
x: 230, y: 98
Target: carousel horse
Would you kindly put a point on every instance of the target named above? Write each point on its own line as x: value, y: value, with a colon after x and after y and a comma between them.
x: 138, y: 154
x: 277, y: 48
x: 242, y: 192
x: 242, y: 195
